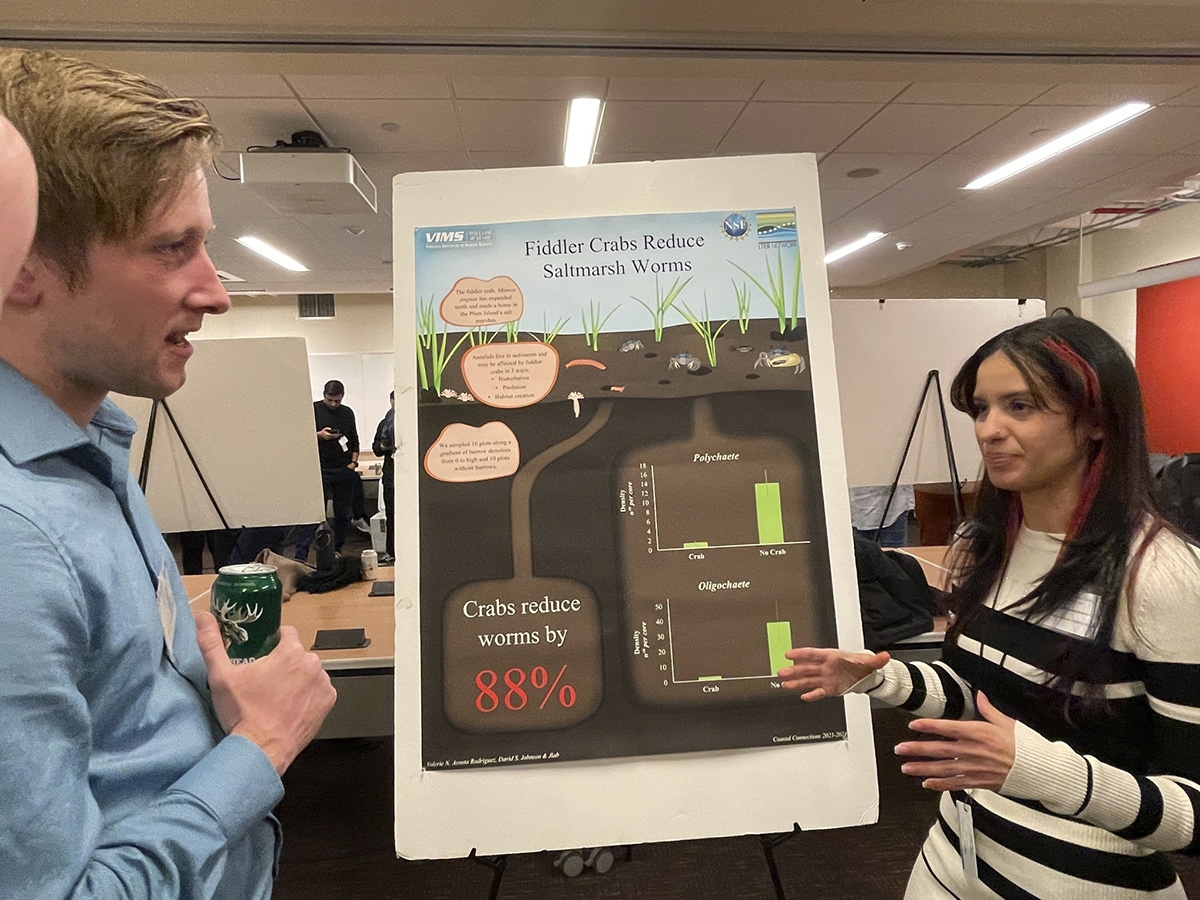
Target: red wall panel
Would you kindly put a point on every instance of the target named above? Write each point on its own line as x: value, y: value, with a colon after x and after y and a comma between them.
x: 1168, y: 364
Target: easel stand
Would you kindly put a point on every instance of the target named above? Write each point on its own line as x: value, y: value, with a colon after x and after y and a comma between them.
x: 931, y: 380
x: 769, y: 843
x: 497, y: 864
x: 144, y: 468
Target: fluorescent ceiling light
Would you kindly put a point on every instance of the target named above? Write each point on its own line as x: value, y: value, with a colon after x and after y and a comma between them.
x: 846, y: 249
x: 1085, y: 132
x: 583, y: 124
x: 262, y: 248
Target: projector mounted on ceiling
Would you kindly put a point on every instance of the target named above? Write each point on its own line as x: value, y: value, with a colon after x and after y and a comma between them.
x: 307, y: 177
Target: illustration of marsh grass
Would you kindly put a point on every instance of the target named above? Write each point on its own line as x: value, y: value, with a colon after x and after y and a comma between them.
x: 549, y: 334
x: 480, y: 336
x: 704, y: 328
x: 592, y: 323
x: 427, y: 321
x: 438, y: 357
x: 662, y: 303
x: 742, y: 295
x: 777, y: 290
x: 512, y: 331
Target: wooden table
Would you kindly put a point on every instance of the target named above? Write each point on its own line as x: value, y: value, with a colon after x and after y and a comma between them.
x: 363, y: 677
x: 347, y: 607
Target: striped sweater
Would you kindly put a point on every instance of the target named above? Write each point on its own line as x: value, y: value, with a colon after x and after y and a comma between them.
x: 1088, y: 805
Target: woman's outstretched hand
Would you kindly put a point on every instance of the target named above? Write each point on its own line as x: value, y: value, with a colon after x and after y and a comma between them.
x: 962, y: 755
x: 822, y: 673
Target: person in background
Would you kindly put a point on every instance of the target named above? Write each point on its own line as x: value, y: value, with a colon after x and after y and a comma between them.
x: 18, y: 203
x: 1062, y: 723
x: 136, y: 761
x: 869, y: 506
x: 384, y: 446
x: 337, y: 447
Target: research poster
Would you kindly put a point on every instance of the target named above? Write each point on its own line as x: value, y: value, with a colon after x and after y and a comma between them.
x: 622, y: 522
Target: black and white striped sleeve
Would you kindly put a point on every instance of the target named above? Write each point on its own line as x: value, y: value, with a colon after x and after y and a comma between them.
x: 929, y: 690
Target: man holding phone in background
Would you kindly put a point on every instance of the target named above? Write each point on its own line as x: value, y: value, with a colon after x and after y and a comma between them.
x: 337, y: 446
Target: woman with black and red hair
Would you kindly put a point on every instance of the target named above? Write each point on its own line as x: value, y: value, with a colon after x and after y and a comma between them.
x: 1063, y: 722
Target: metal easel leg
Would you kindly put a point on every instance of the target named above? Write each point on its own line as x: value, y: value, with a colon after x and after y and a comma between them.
x: 497, y: 865
x: 769, y: 842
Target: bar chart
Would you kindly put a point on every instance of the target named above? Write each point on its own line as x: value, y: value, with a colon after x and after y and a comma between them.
x: 751, y: 512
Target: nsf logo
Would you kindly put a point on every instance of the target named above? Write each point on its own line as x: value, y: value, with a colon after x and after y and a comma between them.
x: 735, y: 226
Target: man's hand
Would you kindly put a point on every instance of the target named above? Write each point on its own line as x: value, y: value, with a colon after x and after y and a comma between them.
x: 278, y: 702
x: 328, y: 434
x: 969, y: 754
x: 822, y: 673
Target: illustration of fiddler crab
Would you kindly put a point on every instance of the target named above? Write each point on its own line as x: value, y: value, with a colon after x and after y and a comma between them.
x: 232, y: 618
x: 780, y: 358
x: 684, y: 360
x: 630, y: 346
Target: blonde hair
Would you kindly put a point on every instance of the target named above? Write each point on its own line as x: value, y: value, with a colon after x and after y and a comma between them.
x: 109, y: 147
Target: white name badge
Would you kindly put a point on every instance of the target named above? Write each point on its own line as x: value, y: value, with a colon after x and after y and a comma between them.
x: 167, y: 611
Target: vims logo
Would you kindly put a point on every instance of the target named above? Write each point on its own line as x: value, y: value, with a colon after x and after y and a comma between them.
x: 445, y: 237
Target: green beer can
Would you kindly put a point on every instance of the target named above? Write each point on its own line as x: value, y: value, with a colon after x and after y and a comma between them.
x: 246, y: 600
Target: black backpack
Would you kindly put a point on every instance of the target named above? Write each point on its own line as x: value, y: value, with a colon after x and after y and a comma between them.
x: 895, y: 599
x: 1177, y: 492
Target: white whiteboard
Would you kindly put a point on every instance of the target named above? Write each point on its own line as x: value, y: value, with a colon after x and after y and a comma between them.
x: 368, y: 379
x: 245, y: 414
x: 823, y: 784
x: 885, y: 350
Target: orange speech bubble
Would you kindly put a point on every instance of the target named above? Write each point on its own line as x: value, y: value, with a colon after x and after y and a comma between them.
x: 464, y: 453
x: 509, y: 376
x: 474, y: 303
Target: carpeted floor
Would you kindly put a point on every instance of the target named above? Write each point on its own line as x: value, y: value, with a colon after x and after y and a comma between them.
x: 337, y: 820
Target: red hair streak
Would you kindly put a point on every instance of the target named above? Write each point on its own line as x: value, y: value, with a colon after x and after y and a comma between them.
x: 1091, y: 390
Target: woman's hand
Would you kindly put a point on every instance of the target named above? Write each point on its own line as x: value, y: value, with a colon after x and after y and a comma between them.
x: 822, y: 673
x: 967, y: 754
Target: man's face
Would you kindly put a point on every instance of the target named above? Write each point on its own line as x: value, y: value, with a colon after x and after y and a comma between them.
x: 333, y: 401
x: 126, y: 328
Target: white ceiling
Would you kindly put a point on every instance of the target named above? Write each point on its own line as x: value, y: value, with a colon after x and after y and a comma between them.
x: 928, y: 123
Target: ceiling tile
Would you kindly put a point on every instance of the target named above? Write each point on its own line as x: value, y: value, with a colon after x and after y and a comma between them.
x: 682, y: 88
x: 832, y: 170
x: 829, y: 91
x: 836, y: 203
x: 968, y: 93
x: 425, y: 125
x: 635, y: 125
x: 795, y: 127
x: 383, y: 167
x: 538, y: 156
x: 512, y: 125
x: 244, y: 122
x: 1164, y: 129
x: 1187, y: 98
x: 526, y: 87
x: 370, y: 87
x: 645, y: 155
x: 1027, y: 128
x: 1108, y: 95
x: 929, y: 128
x: 219, y: 85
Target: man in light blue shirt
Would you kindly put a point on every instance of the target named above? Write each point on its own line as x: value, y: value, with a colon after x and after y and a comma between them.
x: 135, y: 760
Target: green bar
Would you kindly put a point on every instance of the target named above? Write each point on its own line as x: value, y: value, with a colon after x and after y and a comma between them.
x: 779, y: 642
x: 694, y: 545
x: 770, y: 512
x: 709, y: 678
